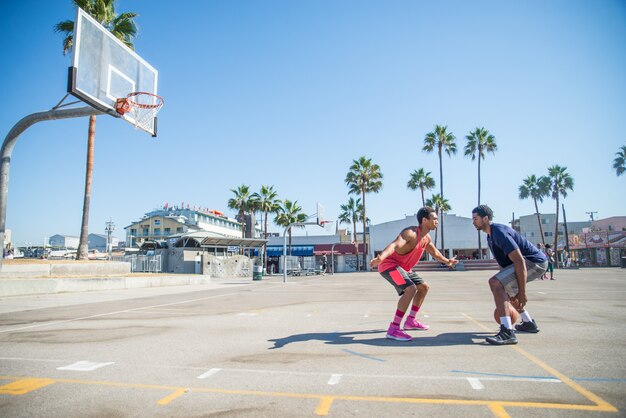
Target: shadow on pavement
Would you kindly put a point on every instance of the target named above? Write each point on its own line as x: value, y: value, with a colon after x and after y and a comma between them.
x: 420, y: 339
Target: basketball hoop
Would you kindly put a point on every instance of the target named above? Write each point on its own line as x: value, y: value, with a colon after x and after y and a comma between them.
x: 140, y: 107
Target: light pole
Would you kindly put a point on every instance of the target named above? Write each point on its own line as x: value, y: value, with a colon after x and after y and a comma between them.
x: 109, y: 228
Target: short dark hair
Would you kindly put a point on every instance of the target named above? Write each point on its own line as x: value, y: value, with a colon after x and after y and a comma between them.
x: 482, y: 211
x: 424, y: 213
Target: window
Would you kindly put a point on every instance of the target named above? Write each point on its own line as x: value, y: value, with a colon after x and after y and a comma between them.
x: 157, y: 222
x: 544, y: 221
x: 548, y: 234
x: 157, y: 231
x: 166, y: 231
x: 146, y: 232
x: 179, y: 229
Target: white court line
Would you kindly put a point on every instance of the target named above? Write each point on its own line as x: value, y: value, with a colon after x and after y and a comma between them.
x: 334, y: 379
x: 475, y: 383
x: 209, y: 373
x: 112, y: 313
x: 84, y: 366
x: 247, y: 314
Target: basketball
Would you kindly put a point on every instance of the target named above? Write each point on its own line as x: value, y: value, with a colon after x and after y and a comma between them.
x: 514, y: 316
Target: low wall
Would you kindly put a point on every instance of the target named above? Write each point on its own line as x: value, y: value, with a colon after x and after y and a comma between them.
x: 65, y: 268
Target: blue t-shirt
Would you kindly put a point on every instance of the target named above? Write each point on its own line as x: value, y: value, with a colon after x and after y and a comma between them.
x: 504, y: 239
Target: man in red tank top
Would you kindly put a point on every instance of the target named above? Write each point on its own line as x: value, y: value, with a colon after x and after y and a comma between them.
x: 398, y: 259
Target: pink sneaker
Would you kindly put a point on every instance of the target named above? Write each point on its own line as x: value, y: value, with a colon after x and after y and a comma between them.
x: 412, y: 323
x: 395, y: 333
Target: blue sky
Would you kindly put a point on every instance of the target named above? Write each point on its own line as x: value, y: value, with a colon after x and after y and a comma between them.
x: 288, y: 93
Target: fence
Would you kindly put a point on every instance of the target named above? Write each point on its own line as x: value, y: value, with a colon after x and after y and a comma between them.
x: 142, y: 263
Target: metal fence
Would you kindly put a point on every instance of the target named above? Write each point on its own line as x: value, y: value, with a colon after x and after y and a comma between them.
x: 142, y: 263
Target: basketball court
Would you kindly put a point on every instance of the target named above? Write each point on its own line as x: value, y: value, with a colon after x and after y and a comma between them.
x: 315, y: 346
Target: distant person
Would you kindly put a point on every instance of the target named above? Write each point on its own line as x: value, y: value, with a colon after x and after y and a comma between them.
x: 520, y: 262
x: 395, y: 264
x: 542, y: 248
x: 550, y: 255
x: 324, y: 263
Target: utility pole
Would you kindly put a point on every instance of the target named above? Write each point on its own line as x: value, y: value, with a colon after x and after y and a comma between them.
x: 591, y: 215
x: 109, y: 228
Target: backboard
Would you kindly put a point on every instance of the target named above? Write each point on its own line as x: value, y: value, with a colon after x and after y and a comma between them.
x: 104, y: 69
x: 321, y: 220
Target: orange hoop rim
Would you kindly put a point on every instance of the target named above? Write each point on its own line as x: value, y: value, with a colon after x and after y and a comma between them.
x: 159, y: 100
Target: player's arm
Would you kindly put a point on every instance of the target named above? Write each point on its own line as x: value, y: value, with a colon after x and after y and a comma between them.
x: 520, y: 274
x: 432, y: 250
x: 399, y: 242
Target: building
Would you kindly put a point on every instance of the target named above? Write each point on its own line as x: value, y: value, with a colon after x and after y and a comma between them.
x: 99, y: 242
x: 168, y: 223
x: 529, y: 228
x: 64, y: 241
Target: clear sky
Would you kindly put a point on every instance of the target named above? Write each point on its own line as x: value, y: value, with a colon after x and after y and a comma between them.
x: 289, y: 93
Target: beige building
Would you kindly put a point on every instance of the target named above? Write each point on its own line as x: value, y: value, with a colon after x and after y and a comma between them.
x: 169, y: 223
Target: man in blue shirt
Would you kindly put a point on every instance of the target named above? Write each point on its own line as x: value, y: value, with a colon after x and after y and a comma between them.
x: 520, y: 262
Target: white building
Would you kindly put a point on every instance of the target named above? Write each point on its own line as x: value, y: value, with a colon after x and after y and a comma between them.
x: 99, y: 242
x: 64, y: 241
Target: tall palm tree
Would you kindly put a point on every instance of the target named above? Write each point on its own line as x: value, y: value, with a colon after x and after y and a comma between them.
x: 442, y: 140
x: 351, y: 214
x: 420, y: 179
x: 267, y: 202
x: 441, y: 206
x: 479, y: 142
x: 122, y: 27
x: 364, y: 177
x: 242, y: 204
x: 537, y: 189
x: 560, y: 183
x: 619, y: 163
x: 289, y: 212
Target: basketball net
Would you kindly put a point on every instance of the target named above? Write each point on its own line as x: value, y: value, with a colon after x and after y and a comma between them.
x: 141, y: 107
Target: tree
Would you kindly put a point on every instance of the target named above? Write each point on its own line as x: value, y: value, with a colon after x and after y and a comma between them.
x: 288, y: 213
x: 122, y: 27
x: 537, y: 189
x: 422, y: 180
x: 619, y: 163
x: 351, y: 214
x: 364, y: 177
x: 441, y: 206
x: 267, y: 202
x: 242, y: 204
x: 442, y: 140
x: 560, y: 183
x: 480, y: 141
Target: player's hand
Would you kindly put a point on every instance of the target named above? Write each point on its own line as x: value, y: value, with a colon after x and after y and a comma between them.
x: 374, y: 262
x: 452, y: 262
x: 520, y: 298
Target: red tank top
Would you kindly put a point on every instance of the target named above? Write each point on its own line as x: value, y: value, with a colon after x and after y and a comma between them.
x: 406, y: 261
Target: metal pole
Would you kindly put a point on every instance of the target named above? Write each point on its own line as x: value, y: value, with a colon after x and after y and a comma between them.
x: 332, y: 259
x: 9, y: 144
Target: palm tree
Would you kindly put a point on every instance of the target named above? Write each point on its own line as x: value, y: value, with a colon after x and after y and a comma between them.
x: 443, y: 140
x: 351, y: 214
x: 560, y: 183
x: 364, y: 177
x: 441, y: 206
x: 122, y: 27
x: 478, y: 142
x: 267, y: 202
x: 242, y: 204
x: 422, y: 180
x: 288, y: 213
x: 619, y: 163
x: 537, y: 188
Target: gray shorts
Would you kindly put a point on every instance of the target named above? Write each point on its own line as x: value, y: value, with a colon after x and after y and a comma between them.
x: 400, y: 279
x: 507, y: 277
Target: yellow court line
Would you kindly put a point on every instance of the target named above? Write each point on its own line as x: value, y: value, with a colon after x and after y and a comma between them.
x: 323, y: 407
x: 172, y: 396
x: 602, y: 405
x: 23, y: 386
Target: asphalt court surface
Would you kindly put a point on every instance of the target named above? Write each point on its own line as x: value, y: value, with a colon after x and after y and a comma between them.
x: 315, y: 346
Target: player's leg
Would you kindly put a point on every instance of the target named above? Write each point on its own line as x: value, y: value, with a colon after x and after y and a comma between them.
x: 535, y: 271
x: 422, y: 287
x: 502, y: 288
x: 399, y: 279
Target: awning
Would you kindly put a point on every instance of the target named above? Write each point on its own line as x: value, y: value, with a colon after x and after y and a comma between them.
x: 233, y: 242
x: 297, y: 250
x: 339, y: 249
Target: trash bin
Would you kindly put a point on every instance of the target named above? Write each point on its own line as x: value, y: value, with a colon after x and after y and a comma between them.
x: 257, y: 272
